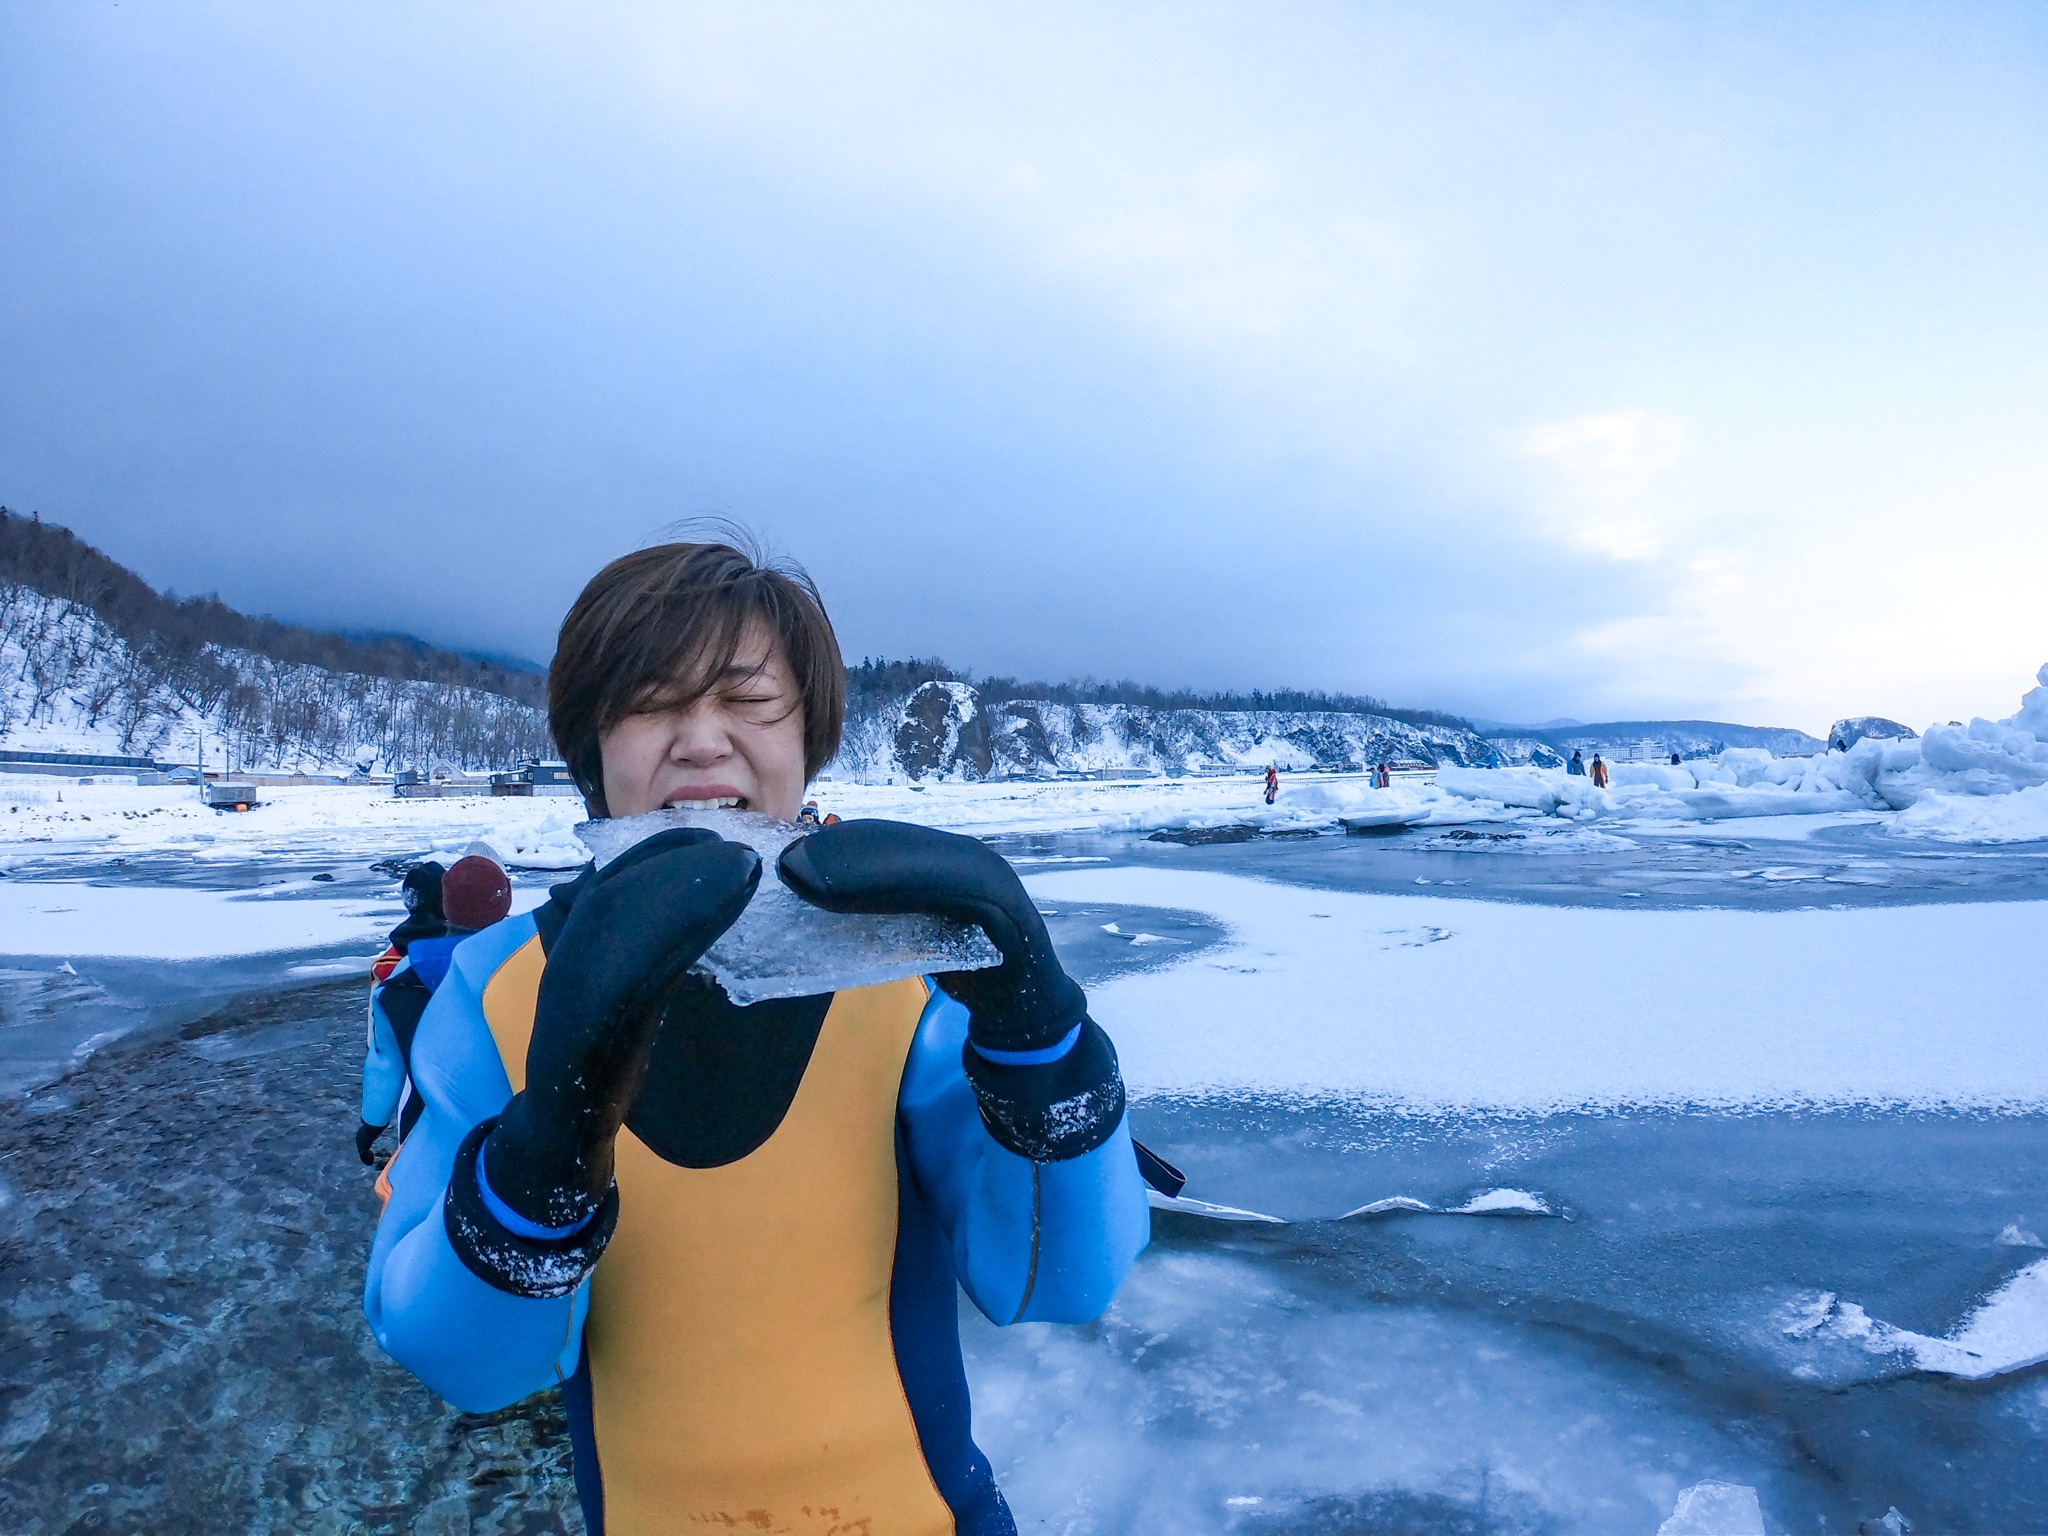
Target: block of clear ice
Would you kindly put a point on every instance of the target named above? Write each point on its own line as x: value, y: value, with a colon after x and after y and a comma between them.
x: 782, y: 946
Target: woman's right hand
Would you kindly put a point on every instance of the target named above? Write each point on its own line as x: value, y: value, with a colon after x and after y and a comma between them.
x: 643, y: 921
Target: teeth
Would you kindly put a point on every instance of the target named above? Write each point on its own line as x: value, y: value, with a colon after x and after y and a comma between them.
x: 722, y: 803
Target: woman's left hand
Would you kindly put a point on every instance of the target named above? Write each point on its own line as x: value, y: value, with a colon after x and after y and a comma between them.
x: 1027, y: 1003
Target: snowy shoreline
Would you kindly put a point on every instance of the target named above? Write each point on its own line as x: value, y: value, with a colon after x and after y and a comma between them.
x: 1985, y: 783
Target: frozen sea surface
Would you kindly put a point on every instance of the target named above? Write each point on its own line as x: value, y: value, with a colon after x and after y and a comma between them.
x: 1782, y: 1088
x: 1774, y: 864
x: 1415, y: 1372
x: 183, y: 1225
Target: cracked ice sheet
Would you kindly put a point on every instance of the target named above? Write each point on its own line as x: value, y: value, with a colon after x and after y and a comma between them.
x: 1534, y: 1008
x: 63, y: 918
x: 107, y: 820
x: 1214, y: 1396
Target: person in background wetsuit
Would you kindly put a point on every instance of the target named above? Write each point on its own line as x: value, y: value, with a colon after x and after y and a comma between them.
x: 1599, y: 771
x: 1272, y: 783
x: 1577, y: 766
x: 735, y: 1236
x: 471, y: 896
x: 421, y: 892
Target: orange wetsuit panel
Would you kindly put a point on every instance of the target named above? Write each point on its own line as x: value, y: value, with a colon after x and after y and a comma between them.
x: 743, y: 1372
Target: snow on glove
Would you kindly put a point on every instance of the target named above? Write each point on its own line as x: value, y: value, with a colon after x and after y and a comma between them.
x: 638, y: 925
x: 1045, y: 1074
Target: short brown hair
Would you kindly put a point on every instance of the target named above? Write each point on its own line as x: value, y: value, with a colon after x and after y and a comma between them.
x: 667, y: 622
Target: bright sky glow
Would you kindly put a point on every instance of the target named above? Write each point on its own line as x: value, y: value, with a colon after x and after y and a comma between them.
x: 1527, y: 361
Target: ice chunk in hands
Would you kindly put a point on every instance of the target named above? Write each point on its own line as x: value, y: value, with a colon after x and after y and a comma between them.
x: 782, y: 946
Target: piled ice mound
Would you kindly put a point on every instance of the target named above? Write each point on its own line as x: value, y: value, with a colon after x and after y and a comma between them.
x: 1741, y: 781
x: 547, y: 841
x: 1984, y: 782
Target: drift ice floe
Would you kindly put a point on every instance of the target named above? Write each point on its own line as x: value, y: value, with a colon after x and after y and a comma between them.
x: 2006, y: 1332
x: 1488, y: 1202
x: 782, y: 946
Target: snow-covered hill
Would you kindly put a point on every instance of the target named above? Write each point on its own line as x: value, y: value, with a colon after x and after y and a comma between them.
x: 946, y: 730
x: 69, y: 683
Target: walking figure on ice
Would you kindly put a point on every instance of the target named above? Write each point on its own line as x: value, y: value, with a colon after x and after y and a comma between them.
x: 1272, y: 783
x: 1599, y: 771
x: 1577, y: 765
x: 735, y: 1235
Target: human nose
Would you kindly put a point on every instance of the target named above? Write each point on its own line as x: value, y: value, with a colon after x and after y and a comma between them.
x: 699, y: 736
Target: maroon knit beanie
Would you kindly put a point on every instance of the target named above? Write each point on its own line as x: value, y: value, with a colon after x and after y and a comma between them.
x: 475, y: 893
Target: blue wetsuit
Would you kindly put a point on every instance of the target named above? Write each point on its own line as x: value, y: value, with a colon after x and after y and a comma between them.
x: 770, y: 1340
x: 396, y: 1007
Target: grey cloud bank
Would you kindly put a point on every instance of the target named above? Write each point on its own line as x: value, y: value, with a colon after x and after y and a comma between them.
x: 1058, y: 345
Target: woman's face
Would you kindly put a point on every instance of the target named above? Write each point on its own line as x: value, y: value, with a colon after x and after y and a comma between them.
x: 740, y: 745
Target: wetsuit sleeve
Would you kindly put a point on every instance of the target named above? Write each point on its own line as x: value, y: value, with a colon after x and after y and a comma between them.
x: 478, y: 1345
x: 383, y: 1067
x: 1042, y: 1238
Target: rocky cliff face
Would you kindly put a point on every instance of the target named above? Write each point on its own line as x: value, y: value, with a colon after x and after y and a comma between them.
x: 944, y: 733
x: 947, y: 730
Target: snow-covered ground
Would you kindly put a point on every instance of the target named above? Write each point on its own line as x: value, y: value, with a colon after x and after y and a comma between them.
x: 1427, y: 1003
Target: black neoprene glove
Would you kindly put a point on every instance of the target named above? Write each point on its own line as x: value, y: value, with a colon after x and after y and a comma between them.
x: 366, y: 1138
x: 1044, y: 1109
x: 637, y: 926
x: 1026, y: 1003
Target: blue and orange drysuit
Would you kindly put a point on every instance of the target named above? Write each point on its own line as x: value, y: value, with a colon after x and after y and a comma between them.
x: 770, y: 1341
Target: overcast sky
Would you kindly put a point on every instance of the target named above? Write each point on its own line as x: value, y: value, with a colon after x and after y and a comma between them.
x: 1523, y: 360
